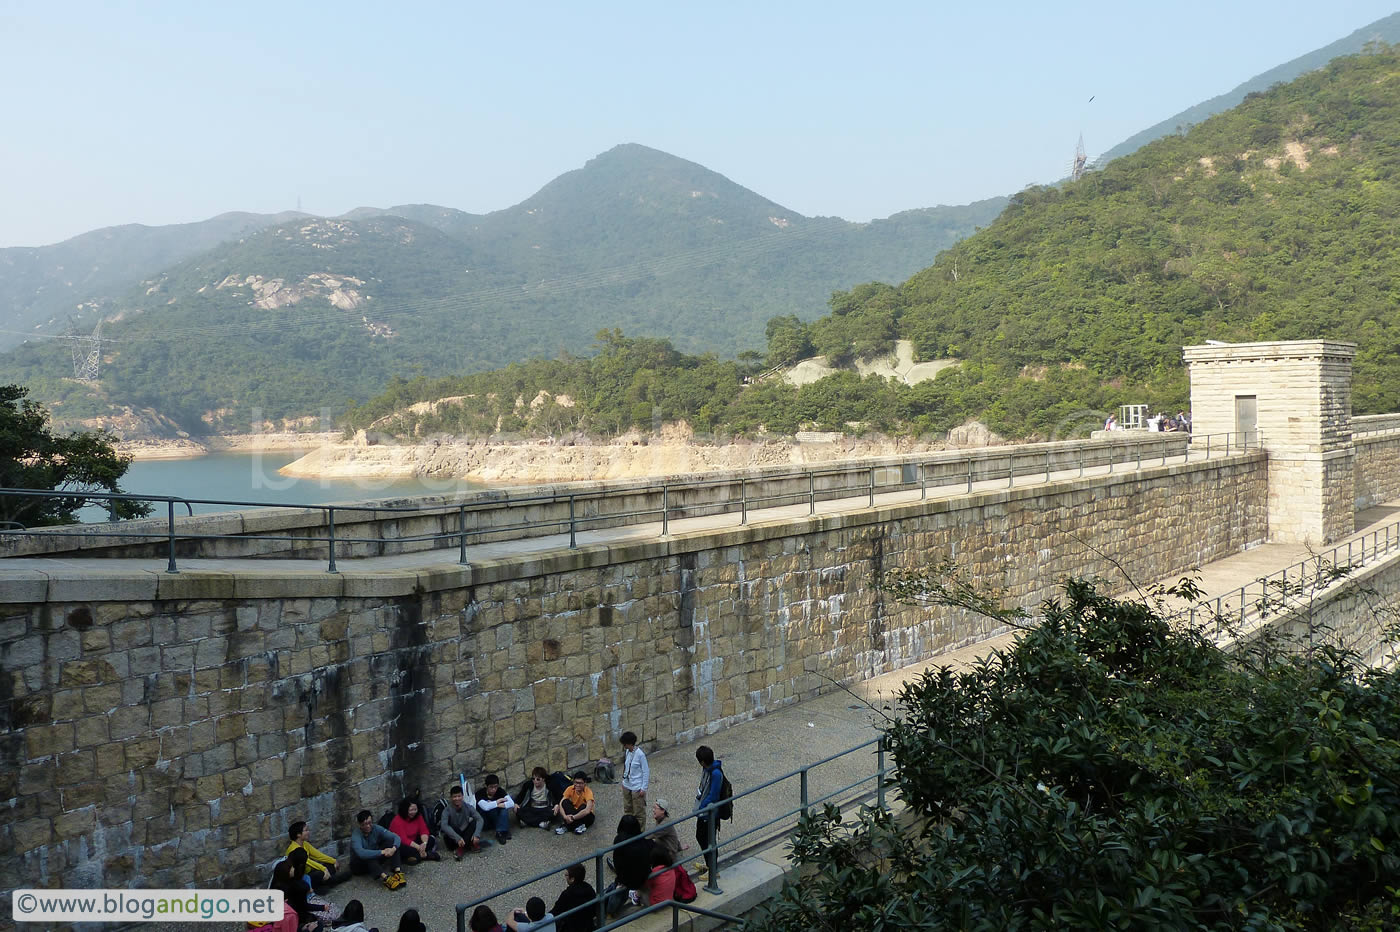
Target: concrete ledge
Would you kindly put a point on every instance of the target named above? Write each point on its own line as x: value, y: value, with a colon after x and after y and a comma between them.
x: 93, y: 582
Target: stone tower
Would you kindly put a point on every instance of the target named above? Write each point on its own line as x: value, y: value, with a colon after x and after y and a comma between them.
x: 1294, y: 398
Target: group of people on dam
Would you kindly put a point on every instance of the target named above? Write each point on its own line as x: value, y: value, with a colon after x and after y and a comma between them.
x: 647, y: 868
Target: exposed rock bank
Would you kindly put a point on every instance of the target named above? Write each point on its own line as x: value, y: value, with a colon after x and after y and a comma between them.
x: 673, y: 452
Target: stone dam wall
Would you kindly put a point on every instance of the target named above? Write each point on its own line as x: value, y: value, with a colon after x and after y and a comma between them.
x: 163, y: 730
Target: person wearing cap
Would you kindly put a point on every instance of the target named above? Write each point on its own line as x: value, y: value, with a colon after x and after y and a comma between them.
x: 666, y: 839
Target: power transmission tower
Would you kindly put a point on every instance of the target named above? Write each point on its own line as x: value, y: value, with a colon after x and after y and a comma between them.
x: 1081, y: 161
x: 87, y: 352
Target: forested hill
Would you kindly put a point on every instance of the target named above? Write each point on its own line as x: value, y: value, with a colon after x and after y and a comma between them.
x: 1275, y: 220
x: 1384, y: 30
x: 312, y: 314
x: 1279, y: 219
x: 40, y: 286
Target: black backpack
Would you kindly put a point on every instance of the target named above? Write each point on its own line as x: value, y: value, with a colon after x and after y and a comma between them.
x: 726, y: 796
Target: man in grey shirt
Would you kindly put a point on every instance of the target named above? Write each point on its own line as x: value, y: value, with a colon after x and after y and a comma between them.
x: 461, y: 824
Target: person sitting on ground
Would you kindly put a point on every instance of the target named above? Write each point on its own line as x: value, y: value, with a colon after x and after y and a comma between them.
x: 461, y: 824
x: 410, y: 922
x: 294, y: 892
x: 533, y: 918
x: 667, y: 838
x: 352, y: 919
x: 536, y: 803
x: 416, y: 843
x: 327, y: 910
x: 577, y: 892
x: 632, y: 862
x: 576, y: 806
x: 495, y: 804
x: 374, y: 850
x: 661, y: 882
x: 484, y: 920
x: 323, y: 869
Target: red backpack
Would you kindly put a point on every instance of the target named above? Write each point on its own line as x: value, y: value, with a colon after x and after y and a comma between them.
x: 685, y: 887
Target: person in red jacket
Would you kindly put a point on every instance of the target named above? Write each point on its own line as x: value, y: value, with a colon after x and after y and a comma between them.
x: 416, y: 843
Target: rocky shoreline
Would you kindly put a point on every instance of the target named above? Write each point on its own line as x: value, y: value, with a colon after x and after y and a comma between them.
x: 188, y: 448
x: 674, y: 451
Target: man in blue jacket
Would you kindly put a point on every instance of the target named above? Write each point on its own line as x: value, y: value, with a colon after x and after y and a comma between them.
x: 707, y: 825
x: 375, y: 850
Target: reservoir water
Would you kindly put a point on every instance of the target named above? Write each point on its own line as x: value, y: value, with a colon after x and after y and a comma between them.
x: 252, y: 477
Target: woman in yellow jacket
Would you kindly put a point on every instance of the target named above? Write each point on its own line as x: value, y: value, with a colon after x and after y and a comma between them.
x: 320, y: 867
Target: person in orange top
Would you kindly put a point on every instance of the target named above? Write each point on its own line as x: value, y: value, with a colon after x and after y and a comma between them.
x: 320, y: 867
x: 576, y: 808
x: 415, y: 842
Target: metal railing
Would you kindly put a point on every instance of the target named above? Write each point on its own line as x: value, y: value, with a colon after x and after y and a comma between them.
x: 835, y: 483
x: 746, y: 840
x: 1239, y: 610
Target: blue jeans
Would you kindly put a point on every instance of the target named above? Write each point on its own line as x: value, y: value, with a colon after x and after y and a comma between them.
x: 496, y: 820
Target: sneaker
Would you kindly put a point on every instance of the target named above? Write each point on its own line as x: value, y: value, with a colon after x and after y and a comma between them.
x: 461, y: 850
x: 434, y: 855
x: 476, y: 844
x: 632, y: 897
x: 545, y: 826
x: 502, y: 838
x: 581, y: 829
x: 559, y: 830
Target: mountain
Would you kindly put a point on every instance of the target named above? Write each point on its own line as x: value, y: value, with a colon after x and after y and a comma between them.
x: 1276, y: 220
x: 1386, y: 30
x: 309, y: 314
x: 41, y: 286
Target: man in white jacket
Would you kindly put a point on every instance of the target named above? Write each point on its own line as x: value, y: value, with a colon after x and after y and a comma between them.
x: 636, y: 776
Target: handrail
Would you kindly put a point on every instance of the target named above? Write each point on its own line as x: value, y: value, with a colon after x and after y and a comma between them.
x: 1384, y: 540
x: 801, y: 774
x: 861, y: 482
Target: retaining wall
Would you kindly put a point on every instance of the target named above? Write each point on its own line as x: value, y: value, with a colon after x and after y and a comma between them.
x: 163, y: 730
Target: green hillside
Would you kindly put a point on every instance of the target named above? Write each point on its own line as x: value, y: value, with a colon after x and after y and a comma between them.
x: 41, y: 286
x: 1386, y: 29
x: 1276, y: 220
x: 635, y: 239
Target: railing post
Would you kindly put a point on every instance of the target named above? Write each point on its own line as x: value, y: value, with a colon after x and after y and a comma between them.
x: 1164, y: 451
x: 969, y: 475
x: 1010, y: 470
x: 1138, y: 451
x: 803, y: 780
x: 923, y: 482
x: 1081, y: 462
x: 712, y: 883
x: 880, y: 768
x: 1207, y: 446
x: 665, y: 511
x: 1110, y: 457
x: 602, y: 905
x: 743, y: 501
x: 170, y: 513
x: 871, y: 501
x: 462, y: 530
x: 1047, y: 465
x: 573, y: 524
x: 330, y: 521
x: 811, y: 493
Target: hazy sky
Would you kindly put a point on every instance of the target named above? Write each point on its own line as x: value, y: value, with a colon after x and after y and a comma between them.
x: 162, y: 113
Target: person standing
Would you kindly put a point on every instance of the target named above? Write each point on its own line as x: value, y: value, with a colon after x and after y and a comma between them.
x: 709, y: 793
x: 636, y: 776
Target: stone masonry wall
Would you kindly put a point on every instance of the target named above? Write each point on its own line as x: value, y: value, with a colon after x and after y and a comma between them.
x: 162, y: 730
x: 1377, y: 470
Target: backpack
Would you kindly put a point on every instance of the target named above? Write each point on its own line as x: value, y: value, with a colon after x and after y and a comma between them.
x: 685, y: 887
x: 726, y: 795
x: 558, y: 782
x: 435, y: 819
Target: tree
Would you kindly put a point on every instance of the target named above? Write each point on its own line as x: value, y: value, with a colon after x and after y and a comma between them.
x: 32, y: 457
x: 1117, y: 770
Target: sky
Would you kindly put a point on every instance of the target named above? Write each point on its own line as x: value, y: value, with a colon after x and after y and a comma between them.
x: 156, y: 113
